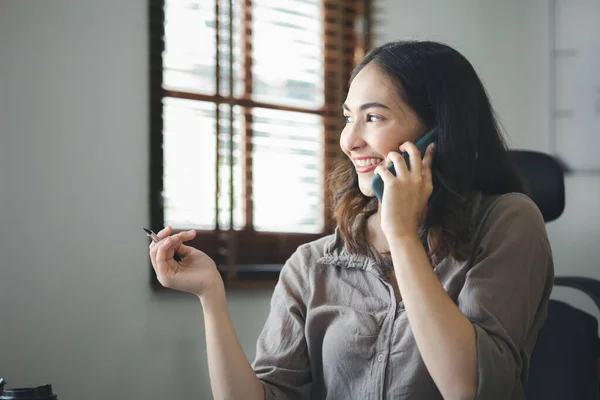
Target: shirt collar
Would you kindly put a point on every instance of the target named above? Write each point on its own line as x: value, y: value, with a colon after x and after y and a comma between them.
x: 336, y: 253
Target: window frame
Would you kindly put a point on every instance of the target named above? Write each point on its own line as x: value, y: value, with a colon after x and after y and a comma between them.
x: 261, y: 254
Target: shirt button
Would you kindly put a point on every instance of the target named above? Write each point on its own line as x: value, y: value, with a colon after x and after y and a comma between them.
x: 380, y: 358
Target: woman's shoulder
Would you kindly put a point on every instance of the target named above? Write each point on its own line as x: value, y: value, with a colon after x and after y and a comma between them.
x: 309, y: 253
x: 299, y: 267
x: 517, y: 206
x: 312, y: 251
x: 514, y: 213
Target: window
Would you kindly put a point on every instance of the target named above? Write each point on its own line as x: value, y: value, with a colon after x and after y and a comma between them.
x: 245, y: 113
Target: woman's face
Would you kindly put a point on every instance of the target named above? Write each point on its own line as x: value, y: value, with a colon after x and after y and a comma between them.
x: 377, y: 121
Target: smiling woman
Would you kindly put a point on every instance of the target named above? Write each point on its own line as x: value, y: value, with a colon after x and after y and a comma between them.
x: 387, y: 105
x: 369, y: 119
x: 436, y: 292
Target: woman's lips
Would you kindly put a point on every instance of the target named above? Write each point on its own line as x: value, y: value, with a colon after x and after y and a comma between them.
x: 368, y: 168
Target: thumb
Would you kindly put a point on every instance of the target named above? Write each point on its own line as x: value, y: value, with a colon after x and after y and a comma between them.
x: 183, y: 250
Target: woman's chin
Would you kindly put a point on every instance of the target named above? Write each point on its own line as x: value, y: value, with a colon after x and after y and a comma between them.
x: 365, y: 189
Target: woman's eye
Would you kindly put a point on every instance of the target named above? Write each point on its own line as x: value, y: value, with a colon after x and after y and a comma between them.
x: 373, y: 118
x: 347, y: 118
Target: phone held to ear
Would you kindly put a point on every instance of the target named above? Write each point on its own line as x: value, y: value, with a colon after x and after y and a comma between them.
x: 422, y: 143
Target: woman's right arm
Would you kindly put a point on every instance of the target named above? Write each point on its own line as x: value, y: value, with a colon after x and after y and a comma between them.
x: 231, y: 375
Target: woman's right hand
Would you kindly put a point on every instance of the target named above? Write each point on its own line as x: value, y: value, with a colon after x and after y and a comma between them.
x: 197, y: 273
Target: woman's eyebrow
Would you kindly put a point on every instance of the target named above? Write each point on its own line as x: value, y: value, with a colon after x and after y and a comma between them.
x: 365, y: 106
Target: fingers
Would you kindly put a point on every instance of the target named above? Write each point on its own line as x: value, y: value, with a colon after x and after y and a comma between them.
x: 168, y: 246
x: 154, y: 246
x: 419, y: 169
x: 399, y: 164
x: 184, y: 250
x: 428, y: 158
x: 165, y: 251
x: 386, y: 175
x: 427, y: 161
x: 414, y: 157
x: 166, y: 231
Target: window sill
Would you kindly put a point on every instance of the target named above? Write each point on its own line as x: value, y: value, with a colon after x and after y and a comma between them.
x: 252, y: 276
x: 256, y: 276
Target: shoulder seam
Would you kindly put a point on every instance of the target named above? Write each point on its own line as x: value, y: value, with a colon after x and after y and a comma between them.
x: 494, y: 204
x: 491, y: 208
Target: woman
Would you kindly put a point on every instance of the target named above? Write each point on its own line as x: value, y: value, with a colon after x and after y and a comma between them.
x: 437, y: 292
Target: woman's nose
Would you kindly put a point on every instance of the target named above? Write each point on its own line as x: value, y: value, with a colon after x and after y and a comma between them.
x: 352, y: 138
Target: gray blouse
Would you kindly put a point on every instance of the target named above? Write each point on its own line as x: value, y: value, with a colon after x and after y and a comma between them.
x: 336, y: 331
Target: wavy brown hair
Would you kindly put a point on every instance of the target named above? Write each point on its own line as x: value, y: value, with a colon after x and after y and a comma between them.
x: 444, y: 91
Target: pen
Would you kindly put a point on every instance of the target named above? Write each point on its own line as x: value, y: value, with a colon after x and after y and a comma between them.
x: 156, y: 239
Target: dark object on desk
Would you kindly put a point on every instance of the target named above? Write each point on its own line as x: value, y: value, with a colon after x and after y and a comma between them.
x: 37, y: 393
x: 564, y: 362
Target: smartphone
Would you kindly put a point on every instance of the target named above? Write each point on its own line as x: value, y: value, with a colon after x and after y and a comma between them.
x: 422, y: 143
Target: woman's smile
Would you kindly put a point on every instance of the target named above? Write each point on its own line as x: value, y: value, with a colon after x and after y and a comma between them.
x: 366, y: 164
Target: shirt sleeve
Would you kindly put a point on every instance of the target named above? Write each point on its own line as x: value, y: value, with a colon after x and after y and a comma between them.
x: 505, y: 294
x: 282, y: 362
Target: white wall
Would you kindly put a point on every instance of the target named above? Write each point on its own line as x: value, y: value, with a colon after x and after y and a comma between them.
x: 75, y: 306
x: 508, y: 44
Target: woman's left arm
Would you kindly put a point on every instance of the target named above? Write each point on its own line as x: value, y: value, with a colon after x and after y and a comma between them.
x: 471, y: 348
x: 480, y: 346
x: 444, y: 335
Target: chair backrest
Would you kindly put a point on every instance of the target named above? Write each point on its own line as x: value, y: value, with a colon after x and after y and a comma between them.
x: 564, y: 360
x: 545, y: 178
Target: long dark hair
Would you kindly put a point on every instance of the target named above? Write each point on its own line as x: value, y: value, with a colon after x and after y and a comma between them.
x: 444, y: 91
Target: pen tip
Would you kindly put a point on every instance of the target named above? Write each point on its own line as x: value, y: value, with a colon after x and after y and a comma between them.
x: 148, y: 231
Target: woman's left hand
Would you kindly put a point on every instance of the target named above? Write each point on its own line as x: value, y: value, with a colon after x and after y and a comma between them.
x: 405, y: 195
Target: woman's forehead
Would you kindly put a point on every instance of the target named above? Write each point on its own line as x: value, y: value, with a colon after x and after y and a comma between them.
x: 372, y: 85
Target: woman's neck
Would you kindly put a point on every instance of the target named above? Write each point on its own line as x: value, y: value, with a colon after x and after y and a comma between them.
x: 373, y: 233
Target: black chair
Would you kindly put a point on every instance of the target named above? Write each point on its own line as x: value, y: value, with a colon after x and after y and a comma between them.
x: 564, y: 362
